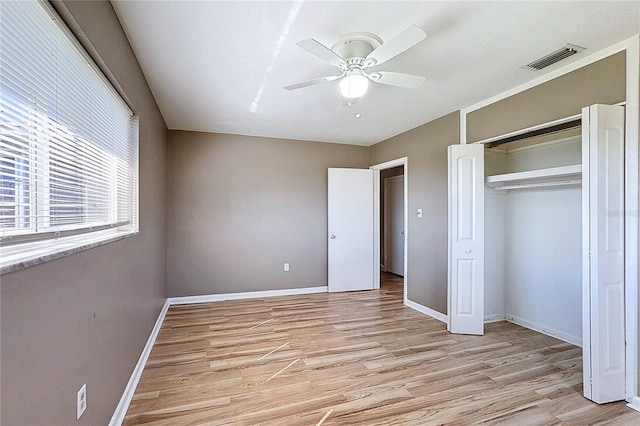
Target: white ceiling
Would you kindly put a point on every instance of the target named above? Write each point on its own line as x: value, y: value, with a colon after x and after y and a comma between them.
x: 208, y: 62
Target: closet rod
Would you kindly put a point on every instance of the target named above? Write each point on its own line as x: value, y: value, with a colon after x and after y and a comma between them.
x: 573, y: 124
x: 538, y: 185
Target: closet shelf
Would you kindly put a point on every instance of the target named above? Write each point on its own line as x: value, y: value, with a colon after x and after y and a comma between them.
x: 553, y: 176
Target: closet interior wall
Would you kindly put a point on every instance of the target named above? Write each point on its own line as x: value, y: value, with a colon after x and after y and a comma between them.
x: 533, y: 237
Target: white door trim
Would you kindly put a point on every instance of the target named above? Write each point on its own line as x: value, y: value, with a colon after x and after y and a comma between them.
x: 632, y: 131
x: 404, y: 161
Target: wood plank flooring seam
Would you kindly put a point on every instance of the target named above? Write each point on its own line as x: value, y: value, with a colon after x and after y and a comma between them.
x: 358, y: 358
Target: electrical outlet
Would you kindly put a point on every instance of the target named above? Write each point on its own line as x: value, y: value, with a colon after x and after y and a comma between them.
x: 81, y: 401
x: 286, y: 267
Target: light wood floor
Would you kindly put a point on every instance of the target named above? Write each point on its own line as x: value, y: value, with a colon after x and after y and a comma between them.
x: 355, y: 358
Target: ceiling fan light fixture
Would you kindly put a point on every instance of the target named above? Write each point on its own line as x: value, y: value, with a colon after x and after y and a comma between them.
x: 354, y: 85
x: 356, y: 52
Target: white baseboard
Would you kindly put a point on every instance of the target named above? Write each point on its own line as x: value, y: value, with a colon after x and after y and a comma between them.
x: 494, y: 318
x: 247, y: 295
x: 635, y: 403
x: 566, y: 337
x: 125, y: 400
x: 427, y: 311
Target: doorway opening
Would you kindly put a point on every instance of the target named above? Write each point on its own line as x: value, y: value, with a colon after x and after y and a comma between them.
x: 391, y: 227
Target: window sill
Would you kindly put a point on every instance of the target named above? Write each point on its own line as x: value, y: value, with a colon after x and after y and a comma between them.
x: 20, y: 256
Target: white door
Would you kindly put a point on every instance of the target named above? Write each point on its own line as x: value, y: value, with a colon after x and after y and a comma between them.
x: 394, y: 224
x: 465, y: 296
x: 350, y: 209
x: 603, y: 335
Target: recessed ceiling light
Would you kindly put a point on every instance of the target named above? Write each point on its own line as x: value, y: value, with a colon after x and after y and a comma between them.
x: 358, y: 115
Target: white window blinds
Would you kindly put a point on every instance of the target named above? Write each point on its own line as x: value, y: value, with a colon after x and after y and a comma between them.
x: 68, y: 148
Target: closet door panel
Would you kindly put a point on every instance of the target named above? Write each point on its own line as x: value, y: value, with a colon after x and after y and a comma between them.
x: 604, y: 286
x: 466, y: 239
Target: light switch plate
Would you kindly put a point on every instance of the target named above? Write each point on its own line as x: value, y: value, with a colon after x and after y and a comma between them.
x: 81, y: 404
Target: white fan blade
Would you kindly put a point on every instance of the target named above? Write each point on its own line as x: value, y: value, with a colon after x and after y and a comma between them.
x: 398, y: 44
x: 322, y: 52
x: 399, y: 79
x: 312, y: 82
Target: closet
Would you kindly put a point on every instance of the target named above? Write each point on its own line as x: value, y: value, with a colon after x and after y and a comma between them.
x: 537, y: 237
x: 533, y: 234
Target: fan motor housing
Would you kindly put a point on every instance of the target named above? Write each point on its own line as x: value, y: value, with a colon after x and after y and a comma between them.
x: 356, y: 45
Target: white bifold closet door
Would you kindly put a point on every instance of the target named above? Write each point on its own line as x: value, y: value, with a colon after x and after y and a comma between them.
x: 466, y: 239
x: 603, y: 325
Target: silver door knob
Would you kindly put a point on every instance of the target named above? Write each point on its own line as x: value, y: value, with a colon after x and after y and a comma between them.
x: 402, y: 232
x: 333, y: 237
x: 467, y: 251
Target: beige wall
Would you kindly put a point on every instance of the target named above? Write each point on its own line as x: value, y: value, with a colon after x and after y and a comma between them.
x: 85, y: 318
x: 601, y: 82
x: 426, y: 149
x: 239, y: 207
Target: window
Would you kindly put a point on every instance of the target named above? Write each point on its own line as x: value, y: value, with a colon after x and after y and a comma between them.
x: 68, y: 147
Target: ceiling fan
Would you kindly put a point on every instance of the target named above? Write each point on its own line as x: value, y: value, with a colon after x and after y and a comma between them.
x: 354, y: 53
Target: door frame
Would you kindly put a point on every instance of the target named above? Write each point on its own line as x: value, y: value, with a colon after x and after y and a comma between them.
x: 404, y: 161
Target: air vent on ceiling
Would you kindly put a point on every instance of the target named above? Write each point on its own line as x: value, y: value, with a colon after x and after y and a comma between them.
x: 553, y: 57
